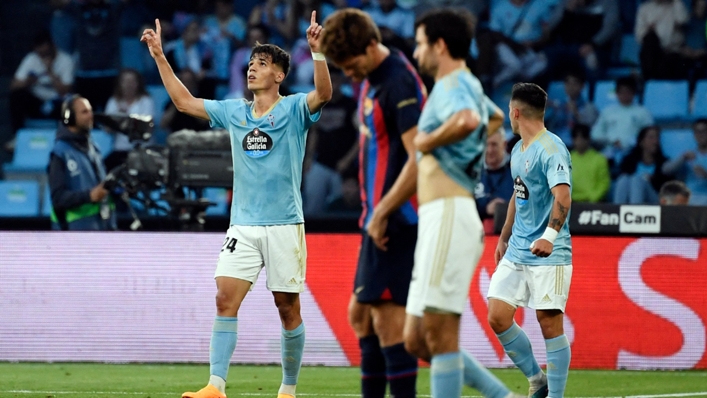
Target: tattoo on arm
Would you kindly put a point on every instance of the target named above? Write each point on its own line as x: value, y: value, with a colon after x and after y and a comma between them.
x: 557, y: 221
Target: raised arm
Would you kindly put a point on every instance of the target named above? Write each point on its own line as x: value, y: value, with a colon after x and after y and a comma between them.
x: 322, y: 82
x: 181, y: 97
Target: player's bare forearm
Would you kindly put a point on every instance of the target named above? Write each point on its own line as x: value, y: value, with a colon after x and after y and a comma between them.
x: 560, y: 207
x: 455, y: 129
x: 322, y: 87
x: 495, y: 117
x: 182, y: 98
x: 510, y: 218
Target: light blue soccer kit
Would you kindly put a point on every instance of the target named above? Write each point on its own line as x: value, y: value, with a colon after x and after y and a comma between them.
x: 450, y: 237
x: 266, y: 213
x: 524, y: 279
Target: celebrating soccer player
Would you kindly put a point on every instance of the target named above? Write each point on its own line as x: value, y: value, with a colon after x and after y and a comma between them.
x: 534, y: 253
x: 268, y: 138
x: 451, y: 138
x: 390, y: 102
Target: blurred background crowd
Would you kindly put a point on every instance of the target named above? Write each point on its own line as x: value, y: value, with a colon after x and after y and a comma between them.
x: 627, y: 84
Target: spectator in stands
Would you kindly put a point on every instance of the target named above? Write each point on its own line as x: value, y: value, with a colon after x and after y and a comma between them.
x: 691, y: 166
x: 62, y: 25
x: 496, y: 184
x: 129, y: 97
x: 477, y: 7
x: 583, y: 32
x: 642, y: 170
x: 43, y: 77
x: 658, y: 29
x: 562, y: 115
x: 258, y: 33
x: 389, y: 16
x: 518, y: 29
x: 224, y: 31
x: 616, y: 129
x: 299, y: 14
x: 272, y: 14
x: 98, y: 47
x: 76, y: 173
x: 590, y: 169
x: 695, y: 49
x: 674, y: 193
x: 189, y: 52
x: 172, y: 119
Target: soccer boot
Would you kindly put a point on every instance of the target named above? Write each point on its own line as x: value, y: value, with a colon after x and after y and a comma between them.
x: 281, y: 395
x: 207, y: 392
x: 538, y: 389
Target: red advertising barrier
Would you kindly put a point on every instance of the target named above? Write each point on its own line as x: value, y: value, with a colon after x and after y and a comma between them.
x: 634, y: 303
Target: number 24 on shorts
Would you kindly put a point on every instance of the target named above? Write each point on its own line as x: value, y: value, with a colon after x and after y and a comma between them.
x: 229, y: 244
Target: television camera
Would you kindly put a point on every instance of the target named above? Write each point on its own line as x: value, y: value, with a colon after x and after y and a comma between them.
x: 178, y: 172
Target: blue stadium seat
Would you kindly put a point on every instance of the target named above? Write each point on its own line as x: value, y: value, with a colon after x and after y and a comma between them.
x: 676, y: 142
x: 104, y: 141
x: 218, y: 196
x: 41, y: 123
x: 19, y: 199
x: 32, y: 149
x: 667, y: 100
x: 604, y: 94
x: 699, y: 105
x: 630, y: 50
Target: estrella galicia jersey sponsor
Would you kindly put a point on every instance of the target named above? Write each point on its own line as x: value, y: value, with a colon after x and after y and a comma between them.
x: 389, y: 104
x: 267, y: 157
x: 457, y: 91
x: 544, y: 164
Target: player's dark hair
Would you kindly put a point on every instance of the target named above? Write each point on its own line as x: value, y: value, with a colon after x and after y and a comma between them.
x: 277, y: 55
x: 532, y: 95
x: 455, y: 27
x: 347, y: 33
x: 581, y: 130
x: 627, y: 82
x: 673, y: 188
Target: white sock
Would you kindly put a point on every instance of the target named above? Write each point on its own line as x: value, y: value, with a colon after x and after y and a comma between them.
x: 287, y: 389
x: 537, y: 379
x: 219, y: 383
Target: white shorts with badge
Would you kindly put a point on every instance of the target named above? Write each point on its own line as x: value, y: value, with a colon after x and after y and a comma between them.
x: 541, y: 287
x: 450, y: 242
x: 280, y: 249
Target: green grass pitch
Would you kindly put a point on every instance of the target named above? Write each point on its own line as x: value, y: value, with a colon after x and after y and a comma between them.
x: 64, y: 380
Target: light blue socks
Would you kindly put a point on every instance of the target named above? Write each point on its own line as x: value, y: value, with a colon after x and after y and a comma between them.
x: 224, y: 335
x: 516, y: 344
x: 292, y: 347
x: 446, y: 373
x: 478, y: 377
x: 558, y: 365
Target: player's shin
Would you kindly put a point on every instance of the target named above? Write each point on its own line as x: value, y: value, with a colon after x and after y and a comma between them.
x: 373, y: 368
x: 224, y: 335
x: 478, y: 377
x: 401, y: 371
x: 292, y: 347
x: 559, y: 355
x: 446, y: 373
x: 517, y: 346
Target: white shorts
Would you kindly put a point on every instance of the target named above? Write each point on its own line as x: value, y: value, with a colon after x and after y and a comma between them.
x: 281, y: 249
x: 450, y: 242
x: 541, y: 287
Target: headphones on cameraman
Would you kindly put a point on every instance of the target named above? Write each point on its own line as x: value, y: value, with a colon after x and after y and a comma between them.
x: 68, y: 116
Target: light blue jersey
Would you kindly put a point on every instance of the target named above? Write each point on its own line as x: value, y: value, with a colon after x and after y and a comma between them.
x: 267, y: 158
x: 544, y: 164
x: 455, y: 92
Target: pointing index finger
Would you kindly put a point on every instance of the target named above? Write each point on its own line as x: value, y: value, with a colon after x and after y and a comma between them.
x: 158, y: 27
x: 314, y: 17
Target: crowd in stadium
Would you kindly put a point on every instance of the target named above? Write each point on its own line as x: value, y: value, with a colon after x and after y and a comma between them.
x: 625, y: 79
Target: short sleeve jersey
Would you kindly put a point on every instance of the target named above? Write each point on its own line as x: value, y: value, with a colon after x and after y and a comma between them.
x: 390, y: 103
x: 457, y: 91
x: 544, y: 164
x: 267, y: 157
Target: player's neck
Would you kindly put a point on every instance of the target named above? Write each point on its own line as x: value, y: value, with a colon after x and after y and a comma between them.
x: 379, y: 55
x: 447, y: 66
x: 264, y: 100
x: 530, y: 130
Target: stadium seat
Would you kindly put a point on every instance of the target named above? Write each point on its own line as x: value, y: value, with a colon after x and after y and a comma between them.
x: 32, y: 149
x: 676, y: 142
x: 630, y: 50
x: 218, y: 196
x: 41, y: 123
x: 19, y: 199
x: 667, y: 100
x: 604, y: 94
x: 699, y: 98
x: 104, y: 141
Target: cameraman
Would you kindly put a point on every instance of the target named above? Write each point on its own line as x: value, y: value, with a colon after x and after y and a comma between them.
x: 76, y: 173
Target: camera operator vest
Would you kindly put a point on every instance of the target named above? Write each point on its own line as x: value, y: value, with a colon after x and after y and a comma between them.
x: 84, y: 171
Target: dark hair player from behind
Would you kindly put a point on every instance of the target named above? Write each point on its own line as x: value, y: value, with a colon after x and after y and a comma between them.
x: 76, y: 173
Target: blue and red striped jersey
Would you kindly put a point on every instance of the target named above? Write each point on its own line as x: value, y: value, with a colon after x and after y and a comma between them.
x: 390, y: 103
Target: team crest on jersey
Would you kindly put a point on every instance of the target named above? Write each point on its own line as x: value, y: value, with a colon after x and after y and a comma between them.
x: 367, y: 106
x: 271, y: 119
x: 527, y: 166
x: 257, y: 144
x: 522, y: 192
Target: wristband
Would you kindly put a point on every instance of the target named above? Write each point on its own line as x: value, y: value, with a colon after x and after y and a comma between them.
x: 318, y: 57
x: 549, y: 235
